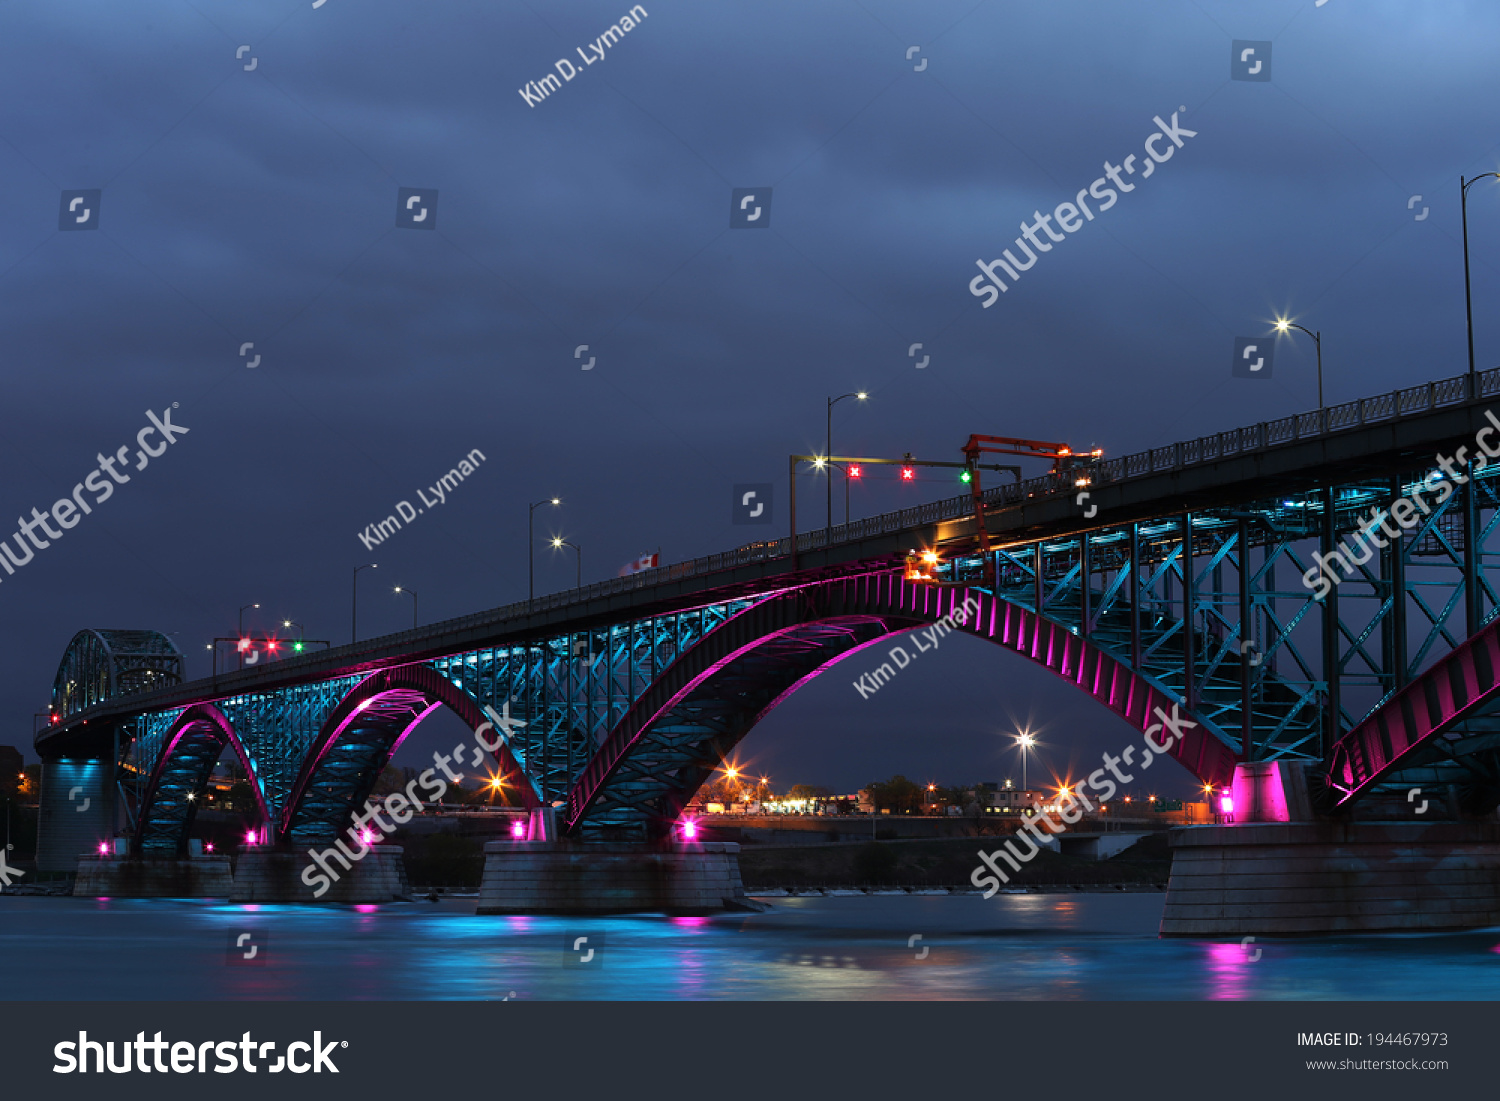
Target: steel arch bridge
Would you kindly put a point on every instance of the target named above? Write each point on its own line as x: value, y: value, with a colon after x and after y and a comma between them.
x: 1185, y: 590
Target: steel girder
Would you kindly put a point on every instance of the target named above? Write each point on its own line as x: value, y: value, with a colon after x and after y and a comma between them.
x: 359, y: 737
x: 572, y: 690
x: 99, y: 665
x: 194, y: 741
x: 313, y: 752
x: 681, y: 730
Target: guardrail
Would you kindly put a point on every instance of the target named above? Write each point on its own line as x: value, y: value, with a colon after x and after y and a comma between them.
x: 1206, y: 449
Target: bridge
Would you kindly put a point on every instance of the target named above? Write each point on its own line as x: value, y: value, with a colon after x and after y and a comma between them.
x: 1178, y: 576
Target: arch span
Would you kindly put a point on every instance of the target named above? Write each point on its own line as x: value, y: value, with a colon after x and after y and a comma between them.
x: 1459, y: 686
x: 358, y: 739
x: 680, y: 730
x: 192, y: 747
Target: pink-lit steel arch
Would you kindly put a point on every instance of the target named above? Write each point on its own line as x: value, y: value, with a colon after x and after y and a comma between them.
x: 205, y: 722
x: 870, y: 609
x: 1452, y: 690
x: 401, y: 698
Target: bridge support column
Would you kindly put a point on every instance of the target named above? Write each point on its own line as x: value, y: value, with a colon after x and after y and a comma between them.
x: 1278, y: 871
x: 111, y: 876
x: 561, y: 877
x: 76, y: 811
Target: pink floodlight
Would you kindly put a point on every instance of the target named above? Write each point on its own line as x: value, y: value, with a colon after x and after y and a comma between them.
x: 1226, y: 804
x: 367, y: 836
x: 103, y: 848
x: 518, y: 830
x: 209, y: 847
x: 689, y: 830
x: 249, y: 837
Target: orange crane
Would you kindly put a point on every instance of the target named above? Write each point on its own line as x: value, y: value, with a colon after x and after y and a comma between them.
x: 1064, y: 460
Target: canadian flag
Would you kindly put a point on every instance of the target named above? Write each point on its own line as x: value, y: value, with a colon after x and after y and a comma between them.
x: 644, y: 562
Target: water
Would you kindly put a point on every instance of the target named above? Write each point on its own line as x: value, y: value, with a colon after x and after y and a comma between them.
x: 1058, y: 947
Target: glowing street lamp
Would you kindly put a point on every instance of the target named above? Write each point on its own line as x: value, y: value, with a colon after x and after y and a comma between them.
x: 531, y: 545
x: 828, y: 445
x: 413, y: 594
x: 1284, y: 326
x: 1026, y: 742
x: 558, y: 544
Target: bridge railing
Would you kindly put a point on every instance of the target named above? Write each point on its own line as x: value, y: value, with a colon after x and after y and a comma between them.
x: 1205, y: 449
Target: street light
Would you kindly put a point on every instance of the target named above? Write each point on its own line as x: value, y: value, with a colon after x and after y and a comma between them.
x: 558, y: 544
x: 842, y: 469
x: 828, y: 450
x: 531, y: 546
x: 301, y: 631
x: 413, y: 594
x: 354, y: 615
x: 242, y: 632
x: 1025, y: 741
x: 1283, y: 325
x: 1463, y: 204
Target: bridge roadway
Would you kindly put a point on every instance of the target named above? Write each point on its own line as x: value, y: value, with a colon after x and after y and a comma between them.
x: 1366, y: 440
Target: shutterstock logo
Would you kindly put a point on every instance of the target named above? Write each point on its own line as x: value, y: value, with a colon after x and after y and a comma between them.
x: 750, y: 208
x: 416, y: 208
x: 1252, y: 356
x: 752, y: 503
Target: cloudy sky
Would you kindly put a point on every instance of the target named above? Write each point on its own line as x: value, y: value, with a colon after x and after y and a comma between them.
x: 259, y: 206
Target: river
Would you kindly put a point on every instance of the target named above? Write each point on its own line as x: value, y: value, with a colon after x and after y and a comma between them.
x: 1091, y: 947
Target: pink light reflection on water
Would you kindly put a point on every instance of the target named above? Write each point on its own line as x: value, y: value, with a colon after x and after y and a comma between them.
x: 1228, y: 971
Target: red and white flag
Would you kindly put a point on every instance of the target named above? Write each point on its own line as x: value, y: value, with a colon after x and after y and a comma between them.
x: 644, y: 562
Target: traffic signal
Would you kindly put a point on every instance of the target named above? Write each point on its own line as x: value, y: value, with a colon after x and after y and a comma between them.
x: 966, y: 477
x: 297, y: 646
x: 908, y: 474
x: 856, y: 471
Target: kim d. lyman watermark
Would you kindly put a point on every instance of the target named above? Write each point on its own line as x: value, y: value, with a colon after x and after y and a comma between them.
x: 872, y: 682
x: 1067, y: 214
x: 1073, y: 803
x: 378, y: 532
x: 402, y: 805
x: 537, y: 90
x: 1407, y: 511
x: 66, y: 512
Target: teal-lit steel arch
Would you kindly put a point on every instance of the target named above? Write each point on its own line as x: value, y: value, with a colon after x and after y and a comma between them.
x: 99, y: 665
x: 312, y: 752
x: 678, y: 733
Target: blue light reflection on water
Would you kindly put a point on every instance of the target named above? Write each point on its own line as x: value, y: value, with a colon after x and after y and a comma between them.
x: 1056, y: 947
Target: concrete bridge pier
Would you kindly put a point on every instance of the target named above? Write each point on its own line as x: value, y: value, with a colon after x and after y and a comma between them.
x: 1279, y: 869
x: 108, y: 875
x: 570, y: 877
x: 76, y: 811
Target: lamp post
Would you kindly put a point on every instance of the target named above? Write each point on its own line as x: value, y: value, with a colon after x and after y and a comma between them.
x: 531, y: 547
x: 241, y: 644
x: 559, y: 543
x: 828, y: 450
x: 1463, y: 205
x: 1025, y: 741
x: 354, y: 603
x: 843, y: 469
x: 1283, y: 325
x: 413, y: 594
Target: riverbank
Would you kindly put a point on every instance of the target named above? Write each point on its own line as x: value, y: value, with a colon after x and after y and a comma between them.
x: 942, y: 864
